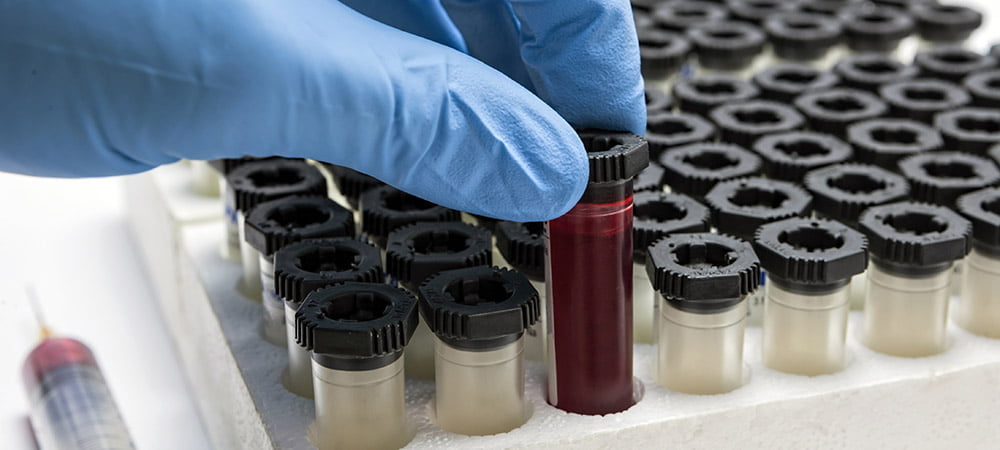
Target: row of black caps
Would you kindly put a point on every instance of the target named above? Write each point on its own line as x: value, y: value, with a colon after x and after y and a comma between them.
x: 729, y: 35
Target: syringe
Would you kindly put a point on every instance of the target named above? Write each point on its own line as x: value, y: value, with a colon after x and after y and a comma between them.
x: 71, y: 406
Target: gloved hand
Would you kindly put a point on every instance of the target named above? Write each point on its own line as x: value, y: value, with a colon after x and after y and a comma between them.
x: 92, y: 88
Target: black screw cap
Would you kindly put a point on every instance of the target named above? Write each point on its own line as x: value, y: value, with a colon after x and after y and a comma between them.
x: 479, y: 307
x: 657, y: 100
x: 884, y: 142
x: 650, y: 179
x: 351, y: 183
x: 726, y: 45
x: 703, y: 272
x: 938, y: 22
x: 415, y: 252
x: 224, y: 166
x: 842, y: 192
x: 941, y: 177
x: 311, y: 264
x: 831, y: 111
x: 907, y: 235
x: 277, y: 223
x: 970, y: 130
x: 869, y: 71
x: 385, y: 208
x: 921, y: 99
x: 784, y: 82
x: 742, y: 123
x: 694, y: 169
x: 789, y: 156
x: 658, y: 214
x: 740, y: 206
x: 985, y: 88
x: 802, y: 36
x: 828, y: 7
x: 665, y: 130
x: 646, y: 5
x: 758, y: 11
x: 982, y: 208
x: 356, y: 320
x: 614, y: 155
x: 256, y: 182
x: 523, y: 246
x: 875, y: 29
x: 701, y: 94
x: 681, y: 15
x: 951, y: 63
x: 811, y: 255
x: 661, y: 53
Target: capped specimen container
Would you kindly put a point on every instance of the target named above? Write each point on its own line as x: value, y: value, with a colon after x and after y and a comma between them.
x: 742, y: 123
x: 922, y: 98
x: 521, y: 246
x: 231, y: 244
x: 978, y: 307
x: 833, y: 110
x: 700, y: 94
x: 656, y: 215
x: 589, y: 270
x: 703, y: 280
x: 877, y: 29
x: 679, y: 16
x: 303, y: 267
x: 666, y: 130
x: 257, y: 182
x: 912, y: 247
x: 726, y: 46
x: 884, y: 142
x: 789, y: 156
x: 869, y: 71
x: 350, y: 183
x: 952, y: 63
x: 277, y: 223
x: 415, y: 252
x: 941, y: 177
x: 969, y: 130
x: 984, y: 88
x: 694, y: 169
x: 385, y: 208
x: 657, y: 100
x: 479, y: 315
x: 783, y: 82
x: 809, y: 264
x: 798, y: 36
x: 356, y: 333
x: 945, y: 23
x: 662, y: 53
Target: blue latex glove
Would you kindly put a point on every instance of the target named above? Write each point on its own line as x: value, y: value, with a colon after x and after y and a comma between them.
x: 107, y: 87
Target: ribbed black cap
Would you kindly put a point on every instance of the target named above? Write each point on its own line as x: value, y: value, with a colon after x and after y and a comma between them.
x: 351, y: 183
x: 758, y: 11
x: 311, y: 264
x: 650, y: 179
x: 224, y: 166
x: 985, y: 88
x: 811, y: 254
x: 884, y: 142
x: 945, y: 23
x: 802, y: 36
x: 385, y: 208
x: 523, y: 246
x: 661, y: 53
x: 665, y: 130
x: 679, y: 16
x: 700, y: 94
x: 951, y: 63
x: 658, y: 214
x: 257, y: 182
x: 614, y: 155
x: 869, y: 71
x: 277, y: 223
x: 784, y: 82
x: 657, y: 100
x: 646, y: 5
x: 970, y: 130
x: 789, y: 156
x: 703, y: 272
x: 842, y: 192
x: 356, y: 320
x: 941, y: 177
x: 742, y: 123
x: 911, y: 234
x: 415, y: 252
x: 833, y: 110
x: 740, y: 206
x: 921, y: 99
x: 875, y: 29
x: 695, y: 168
x: 828, y: 7
x: 982, y: 207
x: 479, y: 307
x: 726, y: 45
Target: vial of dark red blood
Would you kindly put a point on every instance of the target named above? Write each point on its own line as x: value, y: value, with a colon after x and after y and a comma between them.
x: 589, y: 282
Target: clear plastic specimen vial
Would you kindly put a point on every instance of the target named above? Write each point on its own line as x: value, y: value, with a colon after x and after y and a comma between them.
x: 415, y: 252
x: 589, y: 270
x: 656, y: 215
x: 978, y: 307
x: 277, y: 223
x: 303, y: 267
x: 703, y: 280
x: 356, y: 333
x: 257, y: 182
x: 521, y: 246
x: 231, y: 245
x: 809, y: 264
x: 479, y: 315
x: 385, y: 208
x: 912, y: 247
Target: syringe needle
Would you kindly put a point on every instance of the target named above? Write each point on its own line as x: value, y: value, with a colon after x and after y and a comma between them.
x: 36, y: 309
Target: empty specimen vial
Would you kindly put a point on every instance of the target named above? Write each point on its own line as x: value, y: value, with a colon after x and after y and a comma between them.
x: 479, y: 315
x: 521, y: 246
x: 257, y: 182
x: 303, y: 267
x: 809, y: 264
x: 656, y: 215
x: 277, y: 223
x: 356, y: 333
x: 415, y: 253
x: 589, y: 269
x: 385, y: 208
x: 703, y: 280
x: 912, y: 248
x: 978, y: 307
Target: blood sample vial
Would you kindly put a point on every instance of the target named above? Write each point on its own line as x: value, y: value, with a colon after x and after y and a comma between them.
x: 589, y: 282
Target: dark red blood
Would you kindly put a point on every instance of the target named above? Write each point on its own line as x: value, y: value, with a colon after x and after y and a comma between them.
x: 51, y: 354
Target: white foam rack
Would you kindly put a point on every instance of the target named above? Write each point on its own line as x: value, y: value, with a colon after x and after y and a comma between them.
x: 951, y: 399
